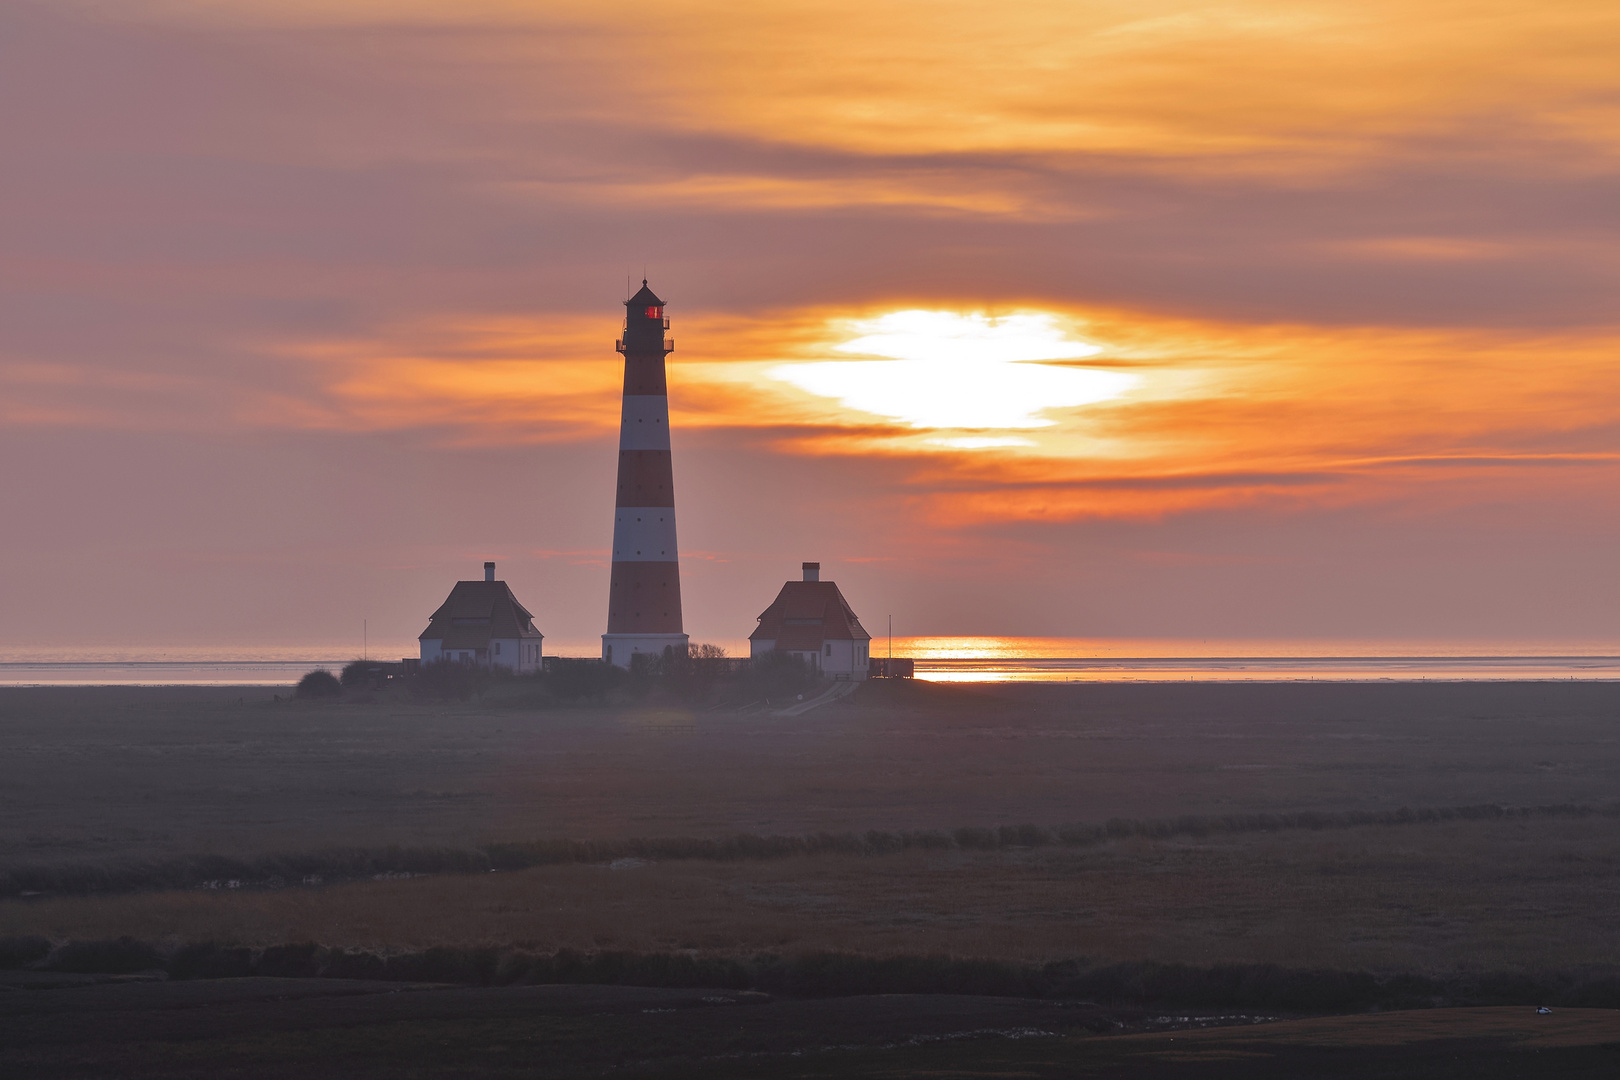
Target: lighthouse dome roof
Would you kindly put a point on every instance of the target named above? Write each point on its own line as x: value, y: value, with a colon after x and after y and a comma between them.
x: 645, y: 298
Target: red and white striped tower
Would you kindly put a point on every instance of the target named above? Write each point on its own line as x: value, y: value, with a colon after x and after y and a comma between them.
x: 644, y: 598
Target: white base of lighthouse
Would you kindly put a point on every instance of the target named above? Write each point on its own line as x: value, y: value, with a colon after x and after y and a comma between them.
x: 618, y: 649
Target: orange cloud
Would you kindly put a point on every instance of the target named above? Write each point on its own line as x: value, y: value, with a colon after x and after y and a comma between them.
x: 1252, y: 85
x: 1422, y: 248
x: 1202, y: 413
x: 1215, y: 414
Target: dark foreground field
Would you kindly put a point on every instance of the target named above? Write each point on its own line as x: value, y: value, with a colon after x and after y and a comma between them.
x: 1286, y: 849
x: 324, y: 1028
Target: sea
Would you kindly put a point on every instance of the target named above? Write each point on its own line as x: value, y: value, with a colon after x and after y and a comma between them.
x: 938, y: 659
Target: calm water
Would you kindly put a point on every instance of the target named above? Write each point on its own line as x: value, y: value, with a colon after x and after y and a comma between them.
x: 940, y: 659
x: 180, y: 666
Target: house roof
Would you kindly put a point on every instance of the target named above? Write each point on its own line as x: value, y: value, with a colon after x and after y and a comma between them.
x: 807, y: 613
x: 476, y: 613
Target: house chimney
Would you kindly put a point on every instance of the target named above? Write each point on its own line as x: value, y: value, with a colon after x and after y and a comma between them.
x: 812, y: 571
x: 489, y: 571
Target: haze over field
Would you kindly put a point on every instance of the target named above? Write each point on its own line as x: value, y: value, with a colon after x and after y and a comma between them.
x: 1153, y: 319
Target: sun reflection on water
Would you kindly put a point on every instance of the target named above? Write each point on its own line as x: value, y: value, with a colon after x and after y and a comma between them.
x: 1045, y: 659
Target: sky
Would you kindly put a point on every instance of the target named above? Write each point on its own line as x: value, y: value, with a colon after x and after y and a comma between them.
x: 1258, y: 320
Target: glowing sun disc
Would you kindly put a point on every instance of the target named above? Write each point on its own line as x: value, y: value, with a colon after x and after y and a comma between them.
x: 948, y: 370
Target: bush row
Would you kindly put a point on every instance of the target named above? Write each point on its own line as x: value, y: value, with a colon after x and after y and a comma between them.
x: 222, y: 871
x: 1146, y: 985
x: 352, y: 863
x: 703, y: 673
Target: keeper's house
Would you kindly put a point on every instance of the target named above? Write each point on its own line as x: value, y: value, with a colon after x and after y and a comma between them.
x: 481, y: 624
x: 811, y: 619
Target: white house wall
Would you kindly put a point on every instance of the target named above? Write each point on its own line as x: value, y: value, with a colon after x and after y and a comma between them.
x: 515, y: 654
x: 847, y: 659
x: 843, y: 661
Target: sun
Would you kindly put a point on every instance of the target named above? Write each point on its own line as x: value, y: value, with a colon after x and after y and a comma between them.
x: 950, y: 370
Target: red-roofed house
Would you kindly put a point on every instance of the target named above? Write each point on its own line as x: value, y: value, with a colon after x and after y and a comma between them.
x: 481, y: 624
x: 811, y: 620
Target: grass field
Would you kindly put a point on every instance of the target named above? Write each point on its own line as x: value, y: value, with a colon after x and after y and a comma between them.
x: 122, y: 775
x: 89, y: 775
x: 1174, y: 824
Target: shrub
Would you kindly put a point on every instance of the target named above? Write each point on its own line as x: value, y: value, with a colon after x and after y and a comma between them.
x: 274, y: 870
x: 647, y: 671
x: 206, y: 960
x: 318, y: 684
x: 571, y: 680
x: 777, y: 675
x: 356, y: 672
x: 690, y: 676
x: 447, y: 680
x: 1139, y: 984
x: 17, y: 951
x: 122, y: 957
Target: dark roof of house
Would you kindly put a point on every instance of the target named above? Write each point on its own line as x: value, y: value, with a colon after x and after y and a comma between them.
x: 646, y: 297
x: 476, y: 613
x: 806, y: 613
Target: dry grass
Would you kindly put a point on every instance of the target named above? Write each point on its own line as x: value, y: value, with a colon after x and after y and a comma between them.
x: 120, y: 773
x: 1527, y: 895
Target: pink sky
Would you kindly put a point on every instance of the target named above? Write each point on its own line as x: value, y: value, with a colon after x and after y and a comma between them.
x: 1266, y: 321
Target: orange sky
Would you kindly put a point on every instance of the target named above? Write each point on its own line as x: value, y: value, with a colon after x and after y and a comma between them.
x: 1151, y: 319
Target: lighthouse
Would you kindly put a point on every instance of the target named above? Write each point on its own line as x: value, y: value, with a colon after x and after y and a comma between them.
x: 644, y: 596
